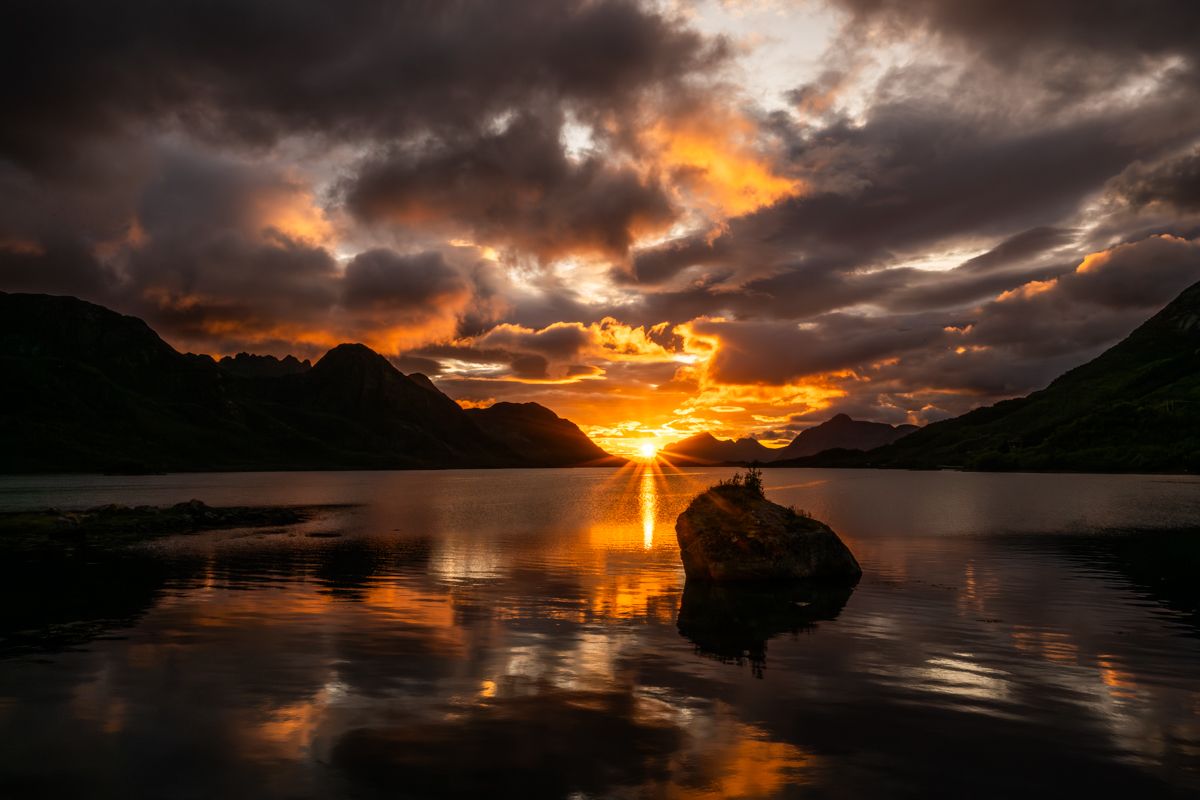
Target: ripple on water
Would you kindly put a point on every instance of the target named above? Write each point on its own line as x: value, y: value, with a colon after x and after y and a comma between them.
x: 467, y: 632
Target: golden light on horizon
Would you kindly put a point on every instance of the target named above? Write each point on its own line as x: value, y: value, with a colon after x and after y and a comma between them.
x: 647, y: 450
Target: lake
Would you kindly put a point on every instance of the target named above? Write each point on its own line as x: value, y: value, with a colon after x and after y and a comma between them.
x: 528, y: 633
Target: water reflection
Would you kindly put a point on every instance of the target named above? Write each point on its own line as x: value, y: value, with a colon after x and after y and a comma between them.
x: 733, y: 623
x: 649, y: 506
x: 539, y: 641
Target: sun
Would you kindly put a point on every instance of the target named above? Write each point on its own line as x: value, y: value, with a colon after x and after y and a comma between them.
x: 647, y: 450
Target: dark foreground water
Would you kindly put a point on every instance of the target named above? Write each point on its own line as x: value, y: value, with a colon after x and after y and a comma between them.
x: 529, y: 634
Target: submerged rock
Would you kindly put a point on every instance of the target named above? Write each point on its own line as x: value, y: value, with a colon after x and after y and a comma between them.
x: 732, y: 532
x: 117, y: 522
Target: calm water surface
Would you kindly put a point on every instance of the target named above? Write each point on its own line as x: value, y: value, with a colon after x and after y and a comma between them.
x: 529, y: 634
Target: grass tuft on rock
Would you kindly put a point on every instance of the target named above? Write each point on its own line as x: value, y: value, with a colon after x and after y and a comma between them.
x: 750, y: 482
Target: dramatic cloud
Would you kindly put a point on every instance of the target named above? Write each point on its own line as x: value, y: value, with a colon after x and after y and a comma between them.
x: 1174, y: 182
x: 652, y: 217
x: 385, y: 281
x: 513, y: 186
x: 1068, y: 29
x: 263, y: 70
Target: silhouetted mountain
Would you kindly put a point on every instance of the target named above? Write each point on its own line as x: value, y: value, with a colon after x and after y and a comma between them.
x: 844, y: 433
x: 252, y: 366
x: 1135, y: 408
x: 87, y: 389
x: 704, y: 448
x: 424, y: 382
x: 839, y: 432
x: 540, y: 435
x: 376, y: 407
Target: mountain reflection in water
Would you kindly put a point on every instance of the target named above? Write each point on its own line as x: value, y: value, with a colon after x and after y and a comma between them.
x: 529, y: 633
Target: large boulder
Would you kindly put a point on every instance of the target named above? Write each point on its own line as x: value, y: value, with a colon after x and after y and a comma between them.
x: 731, y: 532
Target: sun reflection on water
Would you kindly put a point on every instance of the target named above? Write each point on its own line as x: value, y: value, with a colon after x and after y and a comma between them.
x: 648, y: 501
x: 469, y: 634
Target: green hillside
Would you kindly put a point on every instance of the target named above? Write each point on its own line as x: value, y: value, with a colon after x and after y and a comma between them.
x: 1135, y: 408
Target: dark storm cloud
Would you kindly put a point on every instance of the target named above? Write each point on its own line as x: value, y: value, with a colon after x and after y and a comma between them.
x: 210, y: 250
x: 521, y: 352
x: 185, y: 239
x: 530, y: 366
x: 259, y: 70
x: 658, y: 264
x: 932, y: 365
x: 812, y: 287
x: 1028, y: 337
x: 487, y: 363
x: 1009, y: 32
x: 1033, y: 255
x: 560, y: 341
x: 515, y: 185
x: 925, y: 172
x: 796, y: 291
x: 758, y: 352
x: 1019, y: 247
x: 56, y: 267
x: 1101, y: 300
x: 1008, y: 153
x: 954, y: 289
x: 1174, y: 182
x: 88, y: 195
x: 151, y: 135
x: 227, y: 289
x: 384, y: 280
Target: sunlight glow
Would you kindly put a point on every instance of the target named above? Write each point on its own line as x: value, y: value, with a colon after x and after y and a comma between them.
x: 648, y: 502
x: 717, y: 152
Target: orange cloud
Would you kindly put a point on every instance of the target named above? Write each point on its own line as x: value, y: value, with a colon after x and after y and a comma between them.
x: 1031, y: 289
x: 291, y: 209
x: 623, y: 416
x: 714, y: 156
x: 622, y: 410
x: 568, y: 347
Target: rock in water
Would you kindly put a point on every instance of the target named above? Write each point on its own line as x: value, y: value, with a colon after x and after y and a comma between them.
x: 731, y: 532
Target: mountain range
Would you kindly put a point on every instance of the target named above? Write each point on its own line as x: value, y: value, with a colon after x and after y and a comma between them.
x: 1134, y: 408
x: 843, y: 432
x: 838, y: 432
x: 704, y: 448
x: 87, y: 389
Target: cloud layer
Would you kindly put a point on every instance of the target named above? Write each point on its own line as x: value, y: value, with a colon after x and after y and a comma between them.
x: 599, y: 205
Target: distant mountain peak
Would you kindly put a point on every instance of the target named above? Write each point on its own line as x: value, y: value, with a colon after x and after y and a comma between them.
x: 254, y: 366
x: 842, y: 432
x: 354, y: 359
x: 705, y: 448
x: 530, y: 409
x: 351, y: 351
x: 545, y: 437
x: 422, y: 380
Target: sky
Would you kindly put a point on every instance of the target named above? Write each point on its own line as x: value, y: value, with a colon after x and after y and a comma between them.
x: 655, y: 218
